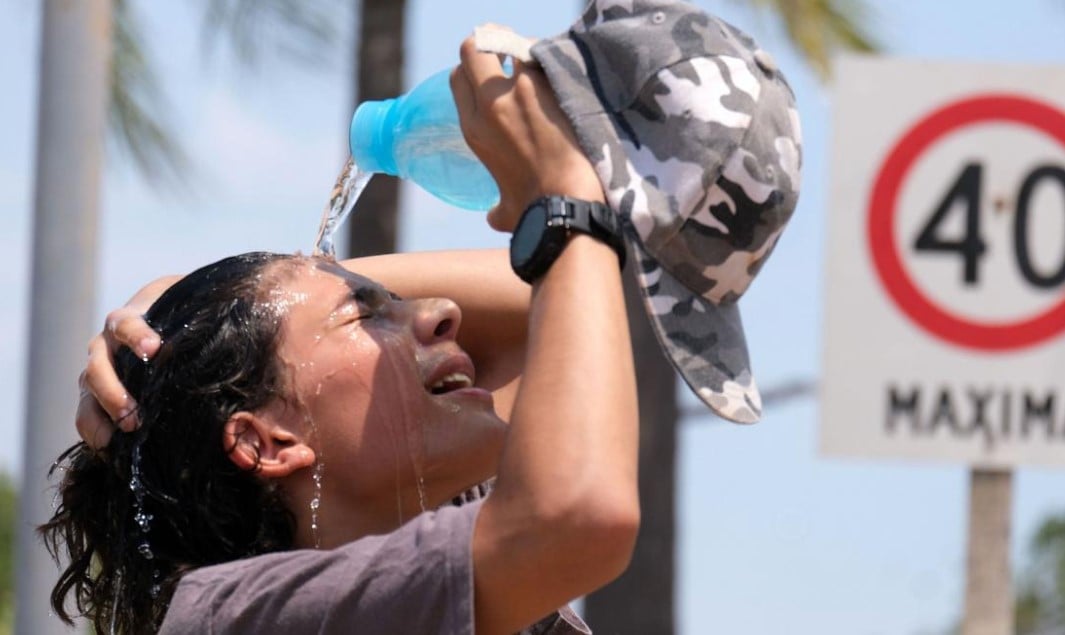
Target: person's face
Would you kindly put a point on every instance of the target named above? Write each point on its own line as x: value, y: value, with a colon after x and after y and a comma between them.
x: 384, y: 391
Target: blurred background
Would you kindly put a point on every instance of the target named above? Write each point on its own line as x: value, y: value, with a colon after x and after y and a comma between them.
x: 227, y: 127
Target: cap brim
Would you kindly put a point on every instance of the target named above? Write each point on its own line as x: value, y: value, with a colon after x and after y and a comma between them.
x: 704, y: 341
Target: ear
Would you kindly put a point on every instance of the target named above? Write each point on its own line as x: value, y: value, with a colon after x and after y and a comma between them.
x: 254, y: 442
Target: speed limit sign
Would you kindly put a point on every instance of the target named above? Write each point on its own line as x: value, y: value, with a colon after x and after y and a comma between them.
x: 945, y: 300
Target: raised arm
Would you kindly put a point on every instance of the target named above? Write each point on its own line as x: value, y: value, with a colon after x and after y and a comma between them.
x: 563, y: 517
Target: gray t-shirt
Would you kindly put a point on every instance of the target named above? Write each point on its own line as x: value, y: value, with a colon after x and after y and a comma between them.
x: 417, y: 579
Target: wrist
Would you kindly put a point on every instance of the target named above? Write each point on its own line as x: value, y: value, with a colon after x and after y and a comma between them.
x: 578, y: 181
x: 592, y: 255
x: 550, y: 222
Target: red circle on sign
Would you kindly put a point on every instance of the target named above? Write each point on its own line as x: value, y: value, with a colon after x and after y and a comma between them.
x: 988, y: 336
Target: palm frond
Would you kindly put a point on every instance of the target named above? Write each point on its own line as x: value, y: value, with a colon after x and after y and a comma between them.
x: 821, y: 28
x: 135, y: 103
x: 306, y: 32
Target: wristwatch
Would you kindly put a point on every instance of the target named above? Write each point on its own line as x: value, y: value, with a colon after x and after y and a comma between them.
x: 546, y: 226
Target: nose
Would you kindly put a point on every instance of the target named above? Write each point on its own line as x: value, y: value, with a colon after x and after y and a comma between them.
x: 436, y: 319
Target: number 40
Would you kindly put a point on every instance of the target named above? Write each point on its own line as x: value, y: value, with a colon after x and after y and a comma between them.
x: 971, y: 247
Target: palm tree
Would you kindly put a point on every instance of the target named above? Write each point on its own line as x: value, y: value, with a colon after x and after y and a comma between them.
x: 71, y: 102
x: 304, y: 32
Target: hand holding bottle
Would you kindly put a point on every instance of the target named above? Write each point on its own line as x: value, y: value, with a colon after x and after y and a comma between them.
x: 516, y: 128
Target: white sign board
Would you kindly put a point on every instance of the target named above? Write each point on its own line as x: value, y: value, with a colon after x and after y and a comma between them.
x: 945, y: 314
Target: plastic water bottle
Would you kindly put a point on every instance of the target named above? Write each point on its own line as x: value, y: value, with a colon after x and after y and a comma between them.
x: 417, y: 137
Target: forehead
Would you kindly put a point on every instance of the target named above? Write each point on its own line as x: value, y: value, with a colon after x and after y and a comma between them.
x: 311, y: 272
x: 309, y: 283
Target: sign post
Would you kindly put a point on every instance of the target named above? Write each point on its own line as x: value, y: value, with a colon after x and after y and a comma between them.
x: 988, y: 591
x: 945, y: 315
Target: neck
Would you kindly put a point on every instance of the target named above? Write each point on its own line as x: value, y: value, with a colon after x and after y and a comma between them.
x: 340, y: 522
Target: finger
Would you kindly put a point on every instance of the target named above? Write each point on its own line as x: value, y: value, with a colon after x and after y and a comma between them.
x: 102, y: 385
x: 479, y: 67
x: 127, y: 327
x: 92, y: 423
x: 462, y: 91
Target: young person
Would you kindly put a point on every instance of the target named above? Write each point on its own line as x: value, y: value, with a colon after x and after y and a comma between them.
x: 271, y: 366
x: 682, y: 124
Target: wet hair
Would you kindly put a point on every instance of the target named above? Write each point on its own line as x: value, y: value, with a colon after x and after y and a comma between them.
x: 166, y: 498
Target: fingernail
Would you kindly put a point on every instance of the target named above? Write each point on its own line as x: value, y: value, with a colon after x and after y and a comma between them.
x: 143, y: 346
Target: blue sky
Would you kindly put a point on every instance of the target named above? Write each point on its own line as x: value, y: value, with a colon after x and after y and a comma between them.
x: 773, y: 537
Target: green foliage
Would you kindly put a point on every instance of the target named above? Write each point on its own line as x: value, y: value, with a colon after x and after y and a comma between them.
x: 8, y: 513
x: 821, y: 28
x: 1040, y: 603
x: 137, y: 125
x: 302, y: 31
x: 305, y: 32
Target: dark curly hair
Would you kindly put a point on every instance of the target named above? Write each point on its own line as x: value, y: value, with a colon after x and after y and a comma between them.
x: 130, y: 528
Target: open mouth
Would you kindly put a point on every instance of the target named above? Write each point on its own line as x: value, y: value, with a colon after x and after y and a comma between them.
x: 475, y: 493
x: 451, y: 382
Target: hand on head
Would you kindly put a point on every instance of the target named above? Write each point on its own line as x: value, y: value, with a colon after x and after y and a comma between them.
x: 104, y: 404
x: 515, y: 126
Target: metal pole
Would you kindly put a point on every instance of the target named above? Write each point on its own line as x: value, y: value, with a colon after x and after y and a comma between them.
x: 72, y: 107
x: 988, y: 585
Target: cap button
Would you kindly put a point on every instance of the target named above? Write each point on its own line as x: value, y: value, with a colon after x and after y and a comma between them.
x: 765, y: 61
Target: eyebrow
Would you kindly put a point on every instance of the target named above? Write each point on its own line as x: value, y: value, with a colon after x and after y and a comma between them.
x: 353, y: 294
x: 350, y: 296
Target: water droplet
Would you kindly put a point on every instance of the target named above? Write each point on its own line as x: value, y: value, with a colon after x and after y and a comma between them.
x: 145, y: 550
x: 423, y: 500
x: 316, y: 501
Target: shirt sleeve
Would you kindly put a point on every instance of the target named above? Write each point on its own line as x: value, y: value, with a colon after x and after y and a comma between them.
x: 417, y: 579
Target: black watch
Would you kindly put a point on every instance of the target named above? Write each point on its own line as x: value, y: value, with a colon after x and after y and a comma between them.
x: 546, y: 225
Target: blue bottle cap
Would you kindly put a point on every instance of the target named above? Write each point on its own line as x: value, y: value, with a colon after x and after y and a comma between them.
x: 371, y: 137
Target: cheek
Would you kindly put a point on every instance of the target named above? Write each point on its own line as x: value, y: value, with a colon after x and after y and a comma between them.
x: 360, y: 391
x: 338, y: 383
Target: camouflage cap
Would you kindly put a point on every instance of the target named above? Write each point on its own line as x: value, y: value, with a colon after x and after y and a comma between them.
x: 695, y: 135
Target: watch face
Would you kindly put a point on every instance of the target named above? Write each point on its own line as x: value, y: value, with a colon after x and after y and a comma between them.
x: 527, y: 235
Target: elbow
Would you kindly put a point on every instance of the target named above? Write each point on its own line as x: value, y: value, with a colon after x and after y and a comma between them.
x: 598, y: 535
x: 616, y: 536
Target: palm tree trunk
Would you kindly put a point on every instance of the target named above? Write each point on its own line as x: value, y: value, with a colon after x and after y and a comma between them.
x: 372, y: 228
x: 641, y: 600
x: 72, y: 106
